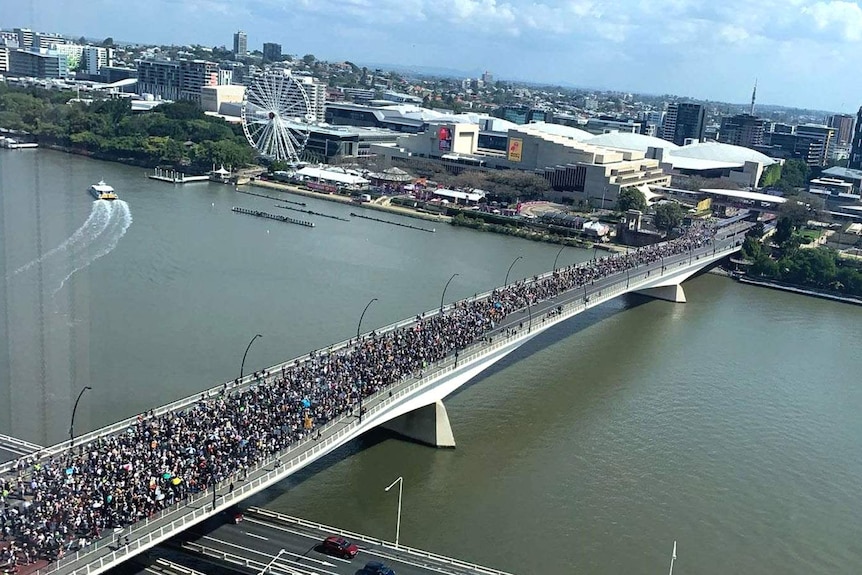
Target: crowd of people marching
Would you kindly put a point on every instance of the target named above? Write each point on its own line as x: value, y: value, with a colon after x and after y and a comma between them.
x: 50, y: 506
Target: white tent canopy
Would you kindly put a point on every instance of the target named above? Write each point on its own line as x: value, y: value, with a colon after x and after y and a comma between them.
x: 335, y: 177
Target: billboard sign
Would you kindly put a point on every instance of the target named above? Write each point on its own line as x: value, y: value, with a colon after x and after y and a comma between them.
x: 444, y: 139
x: 516, y: 146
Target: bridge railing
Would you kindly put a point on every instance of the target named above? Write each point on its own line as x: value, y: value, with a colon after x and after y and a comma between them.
x: 439, y: 559
x: 246, y: 381
x: 337, y: 431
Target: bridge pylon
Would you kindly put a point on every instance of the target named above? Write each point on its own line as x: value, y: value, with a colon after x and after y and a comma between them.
x: 428, y: 425
x: 673, y: 293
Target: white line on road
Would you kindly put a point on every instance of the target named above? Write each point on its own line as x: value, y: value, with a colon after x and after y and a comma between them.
x: 374, y: 552
x: 256, y: 536
x: 298, y: 556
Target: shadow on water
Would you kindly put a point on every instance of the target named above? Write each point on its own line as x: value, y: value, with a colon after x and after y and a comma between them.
x: 376, y: 436
x: 558, y: 333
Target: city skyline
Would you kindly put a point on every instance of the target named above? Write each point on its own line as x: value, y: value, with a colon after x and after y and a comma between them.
x: 684, y: 47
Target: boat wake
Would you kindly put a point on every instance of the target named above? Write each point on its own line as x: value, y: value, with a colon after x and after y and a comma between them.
x: 94, y: 225
x: 117, y: 225
x: 97, y: 237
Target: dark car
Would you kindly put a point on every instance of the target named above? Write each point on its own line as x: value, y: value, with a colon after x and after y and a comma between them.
x: 375, y: 568
x: 339, y: 547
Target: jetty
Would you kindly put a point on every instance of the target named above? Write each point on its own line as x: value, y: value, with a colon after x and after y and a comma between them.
x: 260, y: 214
x: 246, y: 192
x: 417, y: 228
x: 175, y: 177
x: 12, y: 144
x: 312, y: 213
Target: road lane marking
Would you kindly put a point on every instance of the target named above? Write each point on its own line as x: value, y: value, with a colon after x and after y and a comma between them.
x: 311, y: 559
x: 256, y: 536
x: 300, y: 533
x: 376, y: 551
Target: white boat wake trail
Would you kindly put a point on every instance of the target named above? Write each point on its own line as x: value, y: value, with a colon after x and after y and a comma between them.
x: 92, y: 228
x: 118, y: 223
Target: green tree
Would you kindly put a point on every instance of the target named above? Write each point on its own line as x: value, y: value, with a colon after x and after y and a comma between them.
x: 770, y: 176
x: 764, y: 266
x: 108, y: 42
x: 783, y: 230
x: 309, y: 59
x: 752, y: 249
x: 668, y: 216
x: 631, y: 199
x: 182, y: 110
x: 810, y: 267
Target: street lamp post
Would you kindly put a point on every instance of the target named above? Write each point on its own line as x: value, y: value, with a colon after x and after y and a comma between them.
x: 530, y: 312
x: 248, y: 347
x: 557, y: 257
x: 74, y: 410
x: 400, y: 482
x: 358, y: 327
x: 274, y: 559
x: 506, y: 283
x: 443, y: 295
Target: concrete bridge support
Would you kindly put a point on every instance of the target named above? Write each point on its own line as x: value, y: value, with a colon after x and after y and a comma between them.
x: 428, y: 425
x: 672, y: 293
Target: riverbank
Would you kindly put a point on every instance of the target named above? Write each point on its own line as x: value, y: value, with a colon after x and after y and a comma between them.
x: 346, y: 200
x: 800, y: 290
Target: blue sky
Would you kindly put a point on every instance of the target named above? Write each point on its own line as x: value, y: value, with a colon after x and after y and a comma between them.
x: 803, y: 52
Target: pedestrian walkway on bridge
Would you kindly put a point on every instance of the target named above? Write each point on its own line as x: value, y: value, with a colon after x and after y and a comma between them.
x: 163, y: 464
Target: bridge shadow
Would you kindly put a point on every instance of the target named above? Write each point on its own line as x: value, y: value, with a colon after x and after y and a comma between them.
x: 376, y: 436
x: 559, y: 332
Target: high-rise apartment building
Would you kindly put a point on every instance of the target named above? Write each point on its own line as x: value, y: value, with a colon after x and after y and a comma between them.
x: 161, y: 78
x: 684, y: 122
x: 821, y: 142
x: 25, y: 38
x: 176, y: 80
x: 856, y: 149
x: 271, y: 52
x: 811, y: 143
x: 843, y: 124
x: 240, y: 44
x: 4, y: 59
x: 315, y: 90
x: 46, y: 41
x: 194, y: 75
x: 94, y: 58
x: 742, y: 130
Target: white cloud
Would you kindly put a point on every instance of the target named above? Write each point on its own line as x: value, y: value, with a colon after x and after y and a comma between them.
x: 837, y: 14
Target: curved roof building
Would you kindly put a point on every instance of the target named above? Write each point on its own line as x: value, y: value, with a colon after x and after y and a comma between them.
x: 629, y: 141
x: 714, y: 156
x: 561, y: 131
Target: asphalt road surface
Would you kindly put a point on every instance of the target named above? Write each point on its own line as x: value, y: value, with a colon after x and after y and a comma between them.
x: 260, y: 538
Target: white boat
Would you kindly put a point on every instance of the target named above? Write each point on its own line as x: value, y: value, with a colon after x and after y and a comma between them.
x: 103, y: 191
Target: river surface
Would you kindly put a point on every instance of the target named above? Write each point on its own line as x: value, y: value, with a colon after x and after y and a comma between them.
x: 730, y: 424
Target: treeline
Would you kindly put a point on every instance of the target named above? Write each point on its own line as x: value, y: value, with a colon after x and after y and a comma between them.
x: 177, y: 134
x: 818, y: 268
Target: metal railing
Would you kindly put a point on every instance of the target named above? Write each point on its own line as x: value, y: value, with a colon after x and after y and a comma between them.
x: 345, y: 427
x: 411, y: 551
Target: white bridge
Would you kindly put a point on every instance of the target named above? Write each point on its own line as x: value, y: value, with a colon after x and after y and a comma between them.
x: 412, y: 407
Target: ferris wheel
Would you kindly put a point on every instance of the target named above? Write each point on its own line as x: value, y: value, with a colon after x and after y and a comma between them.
x: 276, y: 115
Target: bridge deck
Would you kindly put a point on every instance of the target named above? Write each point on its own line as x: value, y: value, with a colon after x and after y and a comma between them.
x: 400, y: 398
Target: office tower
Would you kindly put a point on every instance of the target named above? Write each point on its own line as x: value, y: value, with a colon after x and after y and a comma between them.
x: 240, y: 44
x: 683, y: 123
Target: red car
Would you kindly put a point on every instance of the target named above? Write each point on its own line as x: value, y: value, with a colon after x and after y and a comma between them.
x: 339, y: 547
